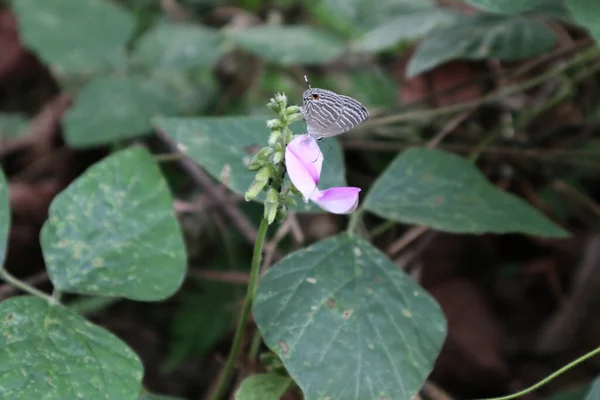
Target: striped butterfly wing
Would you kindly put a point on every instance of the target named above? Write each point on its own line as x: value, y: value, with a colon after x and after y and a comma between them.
x: 332, y: 114
x: 322, y: 113
x: 353, y: 114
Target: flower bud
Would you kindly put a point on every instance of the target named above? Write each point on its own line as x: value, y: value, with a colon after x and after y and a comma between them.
x: 274, y: 137
x: 260, y: 159
x: 274, y: 124
x: 290, y: 201
x: 271, y: 205
x: 278, y: 103
x: 278, y: 157
x: 294, y: 117
x: 260, y: 180
x: 292, y: 110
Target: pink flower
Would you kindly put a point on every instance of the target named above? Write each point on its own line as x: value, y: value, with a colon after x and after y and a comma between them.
x: 303, y: 162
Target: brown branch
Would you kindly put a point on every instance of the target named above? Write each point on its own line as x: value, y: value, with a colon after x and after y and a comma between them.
x: 202, y: 179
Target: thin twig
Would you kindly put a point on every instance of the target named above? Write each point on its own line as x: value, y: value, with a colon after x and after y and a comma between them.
x: 271, y: 245
x: 409, y: 236
x: 25, y: 287
x: 37, y: 279
x: 449, y: 127
x: 584, y: 56
x: 433, y: 392
x: 565, y: 188
x: 202, y: 179
x: 238, y: 278
x: 562, y: 156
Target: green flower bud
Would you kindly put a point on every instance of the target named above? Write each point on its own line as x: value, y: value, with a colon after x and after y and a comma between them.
x: 260, y: 159
x: 294, y: 118
x: 292, y: 110
x: 260, y: 180
x: 278, y: 157
x: 274, y: 124
x: 290, y: 201
x: 281, y: 98
x: 274, y: 137
x: 278, y: 103
x: 271, y: 205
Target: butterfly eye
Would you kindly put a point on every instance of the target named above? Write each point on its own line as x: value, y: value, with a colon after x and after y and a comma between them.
x: 315, y: 96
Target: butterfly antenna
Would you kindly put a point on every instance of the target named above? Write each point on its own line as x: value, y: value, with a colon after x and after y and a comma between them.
x: 307, y: 82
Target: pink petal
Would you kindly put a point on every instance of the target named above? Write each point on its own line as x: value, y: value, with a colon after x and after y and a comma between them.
x: 303, y: 162
x: 337, y: 200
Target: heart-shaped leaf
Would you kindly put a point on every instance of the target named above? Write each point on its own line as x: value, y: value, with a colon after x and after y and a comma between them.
x: 179, y: 46
x: 225, y: 146
x: 75, y: 36
x: 348, y: 323
x: 263, y: 387
x: 290, y: 45
x: 113, y: 232
x: 4, y: 216
x: 443, y: 191
x: 49, y: 352
x: 505, y: 37
x: 115, y: 108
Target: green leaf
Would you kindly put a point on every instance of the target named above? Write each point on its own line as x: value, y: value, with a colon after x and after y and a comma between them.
x: 189, y: 93
x: 508, y: 38
x: 443, y: 191
x: 4, y: 216
x: 225, y: 146
x: 113, y: 232
x: 172, y: 45
x: 362, y: 15
x: 348, y: 323
x: 406, y: 27
x: 594, y: 393
x: 263, y: 387
x: 575, y: 393
x: 519, y: 6
x: 48, y: 352
x: 586, y: 13
x: 115, y: 108
x: 290, y: 45
x: 75, y: 36
x: 151, y: 396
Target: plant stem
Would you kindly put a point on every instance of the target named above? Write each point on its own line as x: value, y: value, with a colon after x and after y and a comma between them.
x: 239, y: 330
x: 381, y: 228
x: 549, y: 377
x: 354, y: 220
x: 25, y: 287
x: 255, y: 346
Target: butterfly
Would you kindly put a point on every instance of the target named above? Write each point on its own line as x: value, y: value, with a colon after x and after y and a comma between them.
x: 328, y: 114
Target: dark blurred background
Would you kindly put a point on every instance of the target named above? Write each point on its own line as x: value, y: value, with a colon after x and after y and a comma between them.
x: 518, y: 307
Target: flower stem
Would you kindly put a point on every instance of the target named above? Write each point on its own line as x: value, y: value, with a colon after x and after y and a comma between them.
x: 25, y: 287
x: 355, y: 218
x: 549, y: 377
x: 227, y: 372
